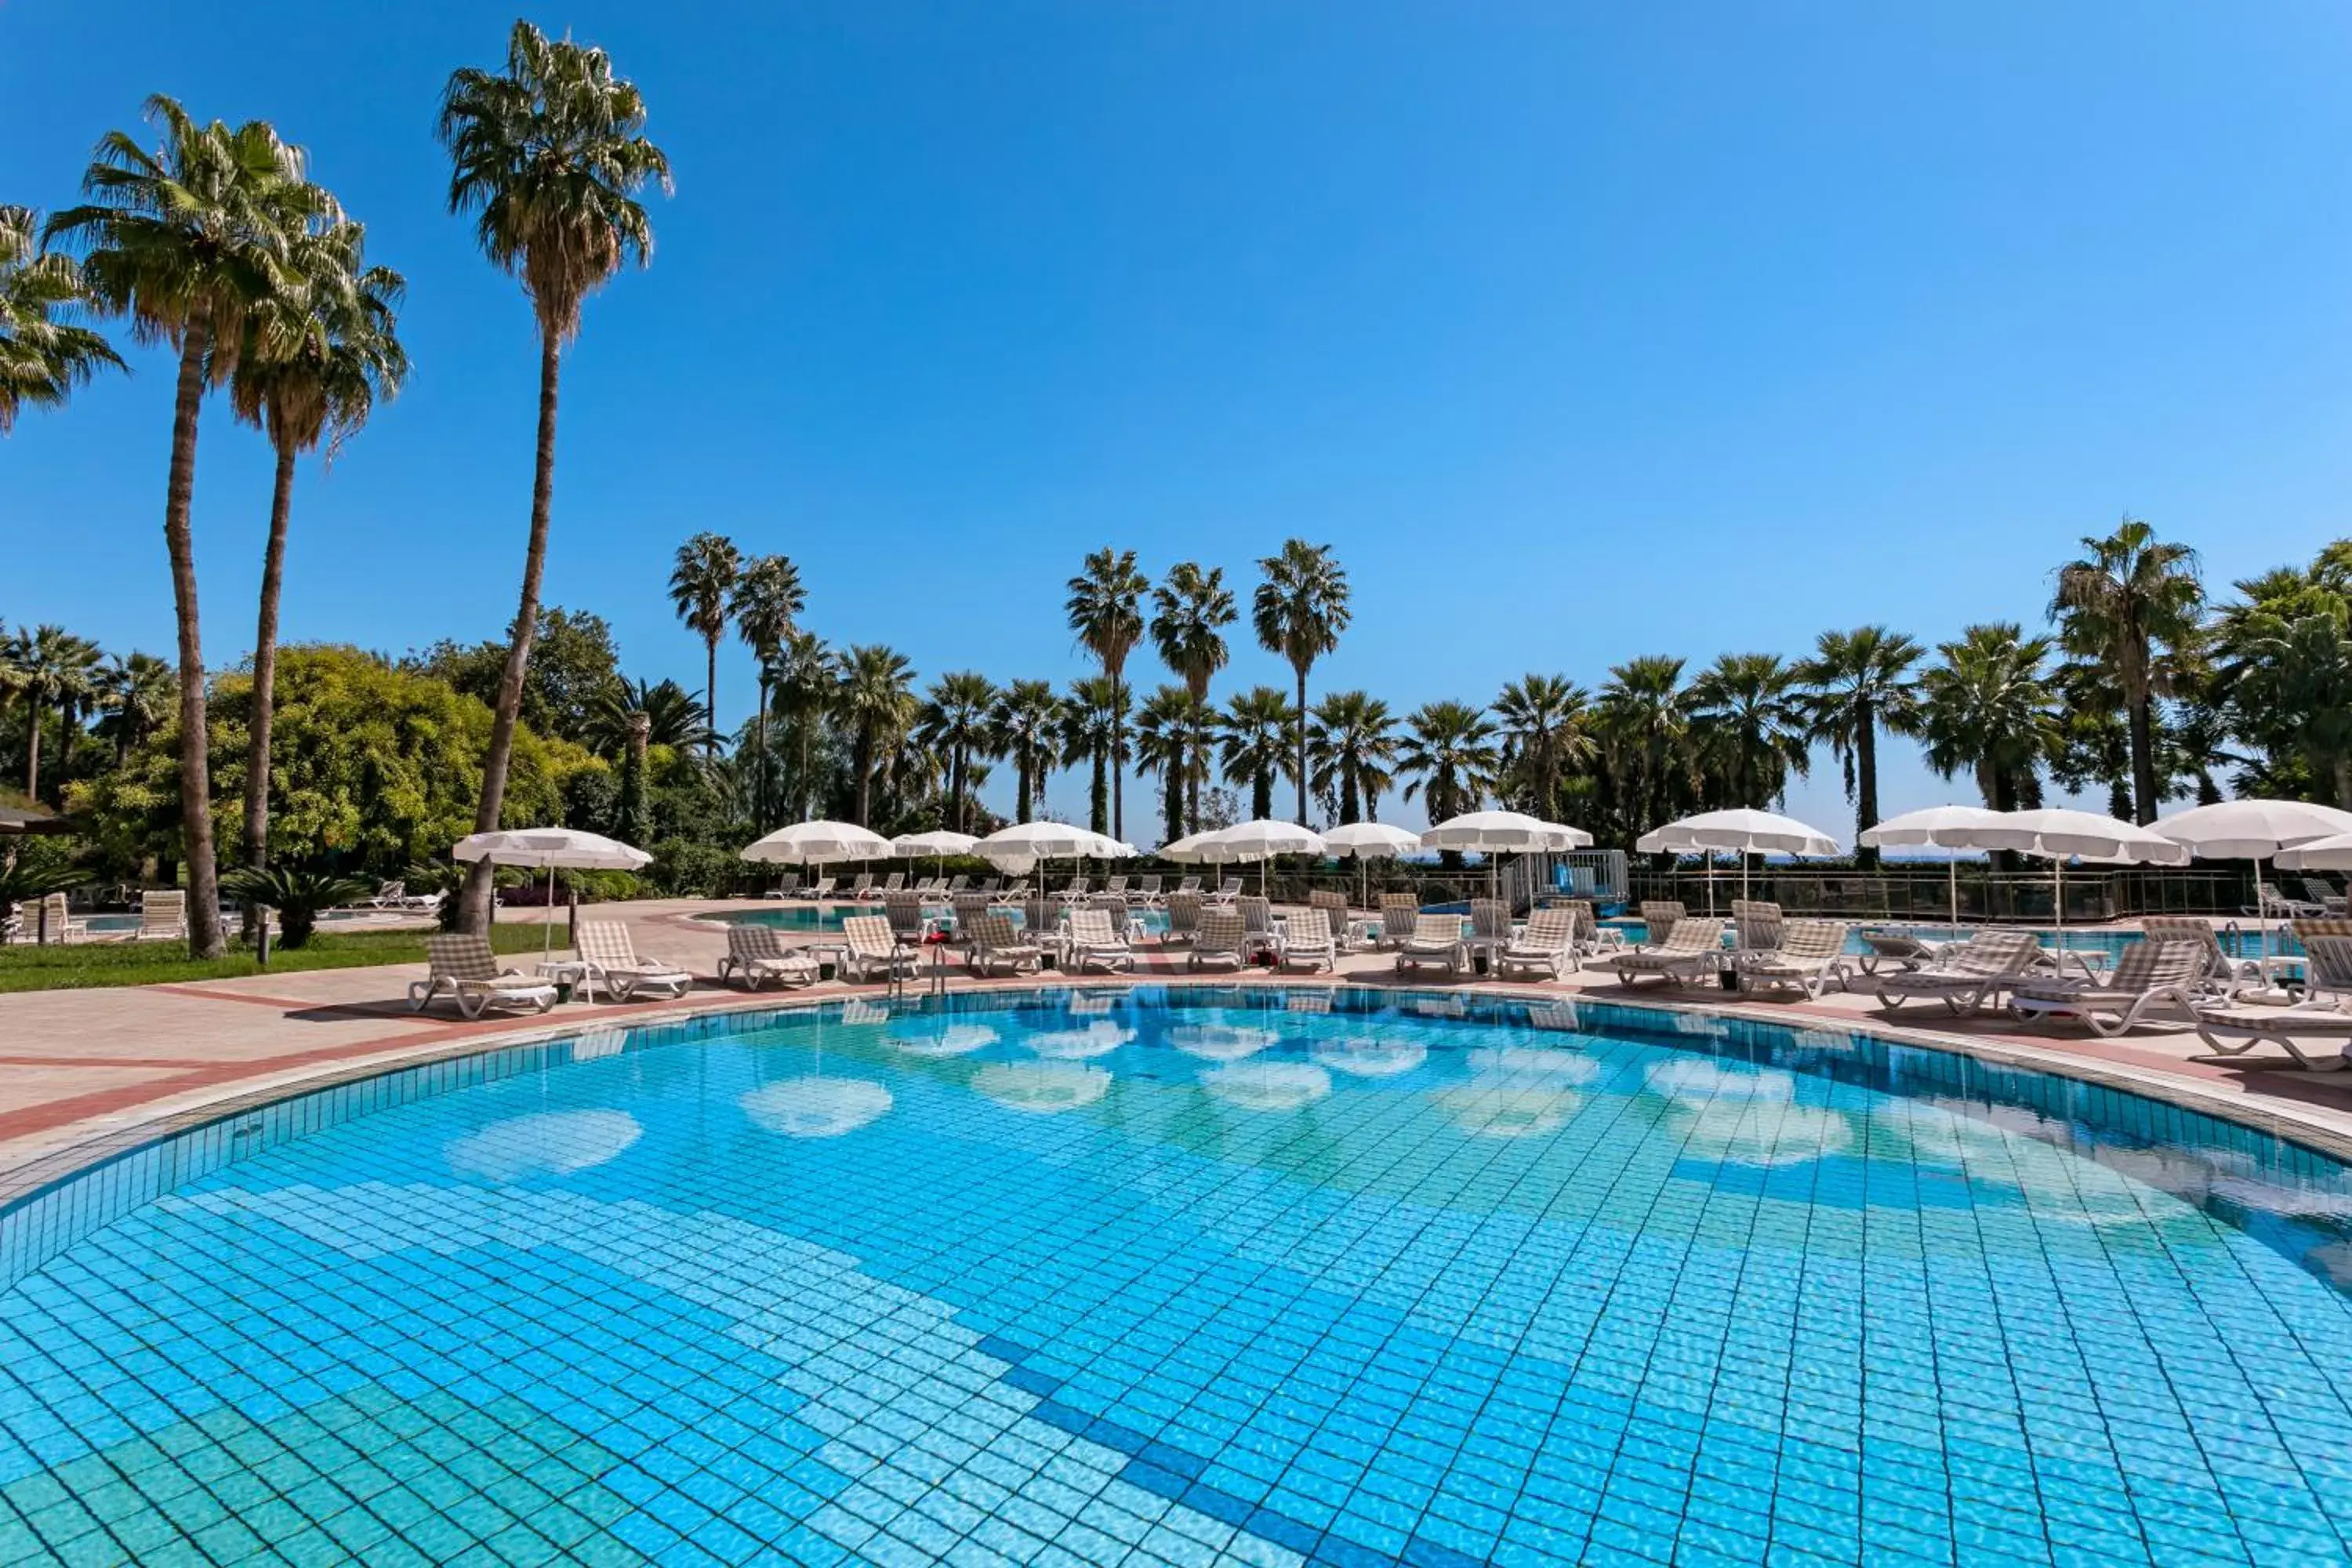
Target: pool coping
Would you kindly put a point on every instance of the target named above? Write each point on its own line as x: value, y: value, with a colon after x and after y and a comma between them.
x: 55, y: 1167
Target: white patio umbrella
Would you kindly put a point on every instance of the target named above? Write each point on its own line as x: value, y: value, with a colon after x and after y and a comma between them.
x: 549, y: 849
x: 941, y: 842
x: 1031, y: 842
x: 2330, y: 854
x: 2059, y: 833
x: 2257, y: 830
x: 1742, y: 829
x: 1493, y: 833
x: 819, y: 843
x: 1261, y: 840
x: 1946, y: 827
x: 1370, y: 841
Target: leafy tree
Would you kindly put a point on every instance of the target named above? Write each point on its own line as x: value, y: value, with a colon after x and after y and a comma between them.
x: 49, y: 668
x: 1988, y: 709
x: 43, y: 357
x: 574, y: 670
x: 1750, y: 726
x: 550, y: 156
x: 1104, y: 609
x: 318, y: 351
x: 1255, y: 742
x: 1449, y: 747
x: 1856, y: 683
x: 1351, y: 744
x: 954, y: 719
x: 767, y: 602
x: 1545, y: 728
x: 2130, y: 601
x: 1298, y: 612
x: 1026, y: 725
x: 873, y: 700
x: 186, y: 241
x: 701, y: 585
x: 2299, y: 671
x: 1094, y: 733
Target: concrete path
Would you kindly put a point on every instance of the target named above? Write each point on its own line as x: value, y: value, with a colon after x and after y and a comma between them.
x: 85, y: 1073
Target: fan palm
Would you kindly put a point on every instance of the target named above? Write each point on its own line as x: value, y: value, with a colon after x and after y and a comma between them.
x: 766, y: 602
x: 550, y: 155
x: 1751, y: 727
x: 2303, y: 666
x: 1298, y: 612
x: 954, y: 721
x: 1450, y: 749
x: 1026, y: 725
x: 136, y: 690
x: 1190, y: 611
x: 1352, y: 746
x: 672, y: 716
x: 1545, y: 731
x: 875, y: 700
x: 2131, y: 600
x: 803, y: 675
x: 1988, y: 709
x: 50, y: 668
x: 1254, y: 742
x: 186, y: 241
x: 42, y: 357
x: 318, y: 353
x: 700, y: 583
x: 1094, y: 733
x: 1643, y: 721
x: 1168, y: 733
x: 1856, y: 683
x: 1104, y: 609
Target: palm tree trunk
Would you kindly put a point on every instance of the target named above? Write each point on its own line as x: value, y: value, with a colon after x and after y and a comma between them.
x: 264, y: 666
x: 474, y: 902
x: 1118, y: 751
x: 2142, y: 723
x: 1021, y: 769
x: 204, y: 938
x: 33, y: 716
x: 760, y: 737
x: 865, y: 775
x: 711, y: 695
x: 66, y: 714
x: 2344, y: 784
x: 1865, y: 785
x: 1302, y: 748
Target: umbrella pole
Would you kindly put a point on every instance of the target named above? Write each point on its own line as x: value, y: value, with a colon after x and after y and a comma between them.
x: 546, y: 937
x: 1952, y: 877
x: 2058, y: 901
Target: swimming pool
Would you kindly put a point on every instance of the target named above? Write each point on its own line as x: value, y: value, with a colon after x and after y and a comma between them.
x: 2101, y: 942
x: 1190, y: 1275
x: 828, y: 917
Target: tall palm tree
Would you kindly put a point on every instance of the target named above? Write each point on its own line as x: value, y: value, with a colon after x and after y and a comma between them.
x: 1751, y: 727
x: 1105, y: 608
x: 1026, y: 725
x: 954, y: 721
x: 803, y: 675
x: 1189, y: 610
x: 640, y: 712
x: 43, y: 357
x: 49, y: 668
x: 1094, y: 733
x: 1255, y: 744
x: 318, y: 353
x: 875, y: 700
x: 186, y: 241
x: 1352, y: 745
x: 1856, y: 683
x: 1449, y: 747
x: 1298, y: 612
x: 1544, y: 723
x: 2128, y: 602
x: 1643, y: 721
x: 2302, y: 665
x: 700, y: 585
x: 137, y: 690
x: 1988, y: 709
x: 1167, y: 731
x: 767, y: 600
x: 550, y: 156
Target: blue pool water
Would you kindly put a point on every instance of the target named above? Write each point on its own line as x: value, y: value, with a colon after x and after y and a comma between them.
x: 1191, y: 1277
x: 828, y: 917
x: 2105, y: 945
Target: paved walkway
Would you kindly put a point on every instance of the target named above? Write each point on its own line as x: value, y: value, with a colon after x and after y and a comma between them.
x: 83, y: 1073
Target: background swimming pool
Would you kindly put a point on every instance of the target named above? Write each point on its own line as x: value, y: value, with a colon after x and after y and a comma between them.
x: 1085, y: 1278
x: 828, y: 917
x: 2239, y: 942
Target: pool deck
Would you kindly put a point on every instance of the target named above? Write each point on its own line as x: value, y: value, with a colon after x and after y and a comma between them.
x: 86, y: 1073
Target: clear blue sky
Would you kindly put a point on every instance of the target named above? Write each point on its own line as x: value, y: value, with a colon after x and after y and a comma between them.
x: 1582, y: 331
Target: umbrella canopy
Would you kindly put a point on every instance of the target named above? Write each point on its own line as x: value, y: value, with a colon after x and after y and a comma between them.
x: 1048, y: 840
x: 2059, y: 832
x: 1506, y: 832
x: 1186, y: 850
x: 939, y: 841
x: 21, y: 813
x: 2253, y: 829
x: 1265, y: 838
x: 1939, y: 826
x: 545, y: 847
x: 819, y: 843
x: 2332, y: 853
x: 1371, y: 840
x: 1742, y: 830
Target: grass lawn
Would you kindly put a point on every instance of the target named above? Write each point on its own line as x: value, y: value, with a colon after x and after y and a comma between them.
x: 60, y: 966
